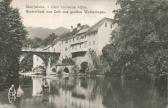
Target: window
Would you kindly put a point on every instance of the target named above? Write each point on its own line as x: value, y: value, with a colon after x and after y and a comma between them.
x: 66, y: 49
x: 66, y: 41
x: 111, y: 25
x: 89, y: 43
x: 105, y: 24
x: 94, y: 42
x: 82, y: 37
x: 85, y: 45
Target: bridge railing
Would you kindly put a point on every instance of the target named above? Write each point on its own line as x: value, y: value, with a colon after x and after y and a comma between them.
x: 36, y: 50
x: 29, y: 49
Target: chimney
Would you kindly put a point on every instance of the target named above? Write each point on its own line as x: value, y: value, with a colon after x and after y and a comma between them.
x: 78, y: 26
x: 71, y: 29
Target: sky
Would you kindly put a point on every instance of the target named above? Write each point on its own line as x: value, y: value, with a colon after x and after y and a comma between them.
x: 56, y: 20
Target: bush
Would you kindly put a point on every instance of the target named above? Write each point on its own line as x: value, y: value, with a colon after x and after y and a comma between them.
x: 84, y: 67
x: 75, y: 69
x: 68, y: 61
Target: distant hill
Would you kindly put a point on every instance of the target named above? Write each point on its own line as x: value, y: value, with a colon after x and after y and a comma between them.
x: 44, y: 32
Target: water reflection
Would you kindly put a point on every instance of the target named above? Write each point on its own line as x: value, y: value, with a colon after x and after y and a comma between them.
x: 83, y: 92
x: 40, y: 86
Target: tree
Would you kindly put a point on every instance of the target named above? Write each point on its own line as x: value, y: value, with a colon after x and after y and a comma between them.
x: 12, y: 34
x: 38, y: 42
x: 33, y: 43
x: 142, y: 38
x: 49, y: 39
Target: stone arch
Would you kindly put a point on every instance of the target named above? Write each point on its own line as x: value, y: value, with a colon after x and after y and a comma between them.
x: 26, y: 56
x: 23, y: 57
x: 66, y: 70
x: 25, y: 62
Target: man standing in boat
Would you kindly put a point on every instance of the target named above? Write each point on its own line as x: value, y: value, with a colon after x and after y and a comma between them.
x: 45, y: 86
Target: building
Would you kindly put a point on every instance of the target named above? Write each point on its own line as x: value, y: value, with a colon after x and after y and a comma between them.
x: 81, y: 39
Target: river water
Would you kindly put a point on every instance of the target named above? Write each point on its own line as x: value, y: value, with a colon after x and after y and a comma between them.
x: 84, y: 92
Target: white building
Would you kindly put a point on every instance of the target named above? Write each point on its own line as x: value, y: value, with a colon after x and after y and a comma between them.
x: 81, y: 39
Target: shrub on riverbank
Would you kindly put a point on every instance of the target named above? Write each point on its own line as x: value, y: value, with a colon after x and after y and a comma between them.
x: 68, y: 61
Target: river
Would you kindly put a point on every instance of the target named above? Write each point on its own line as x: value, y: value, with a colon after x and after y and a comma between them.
x: 85, y: 92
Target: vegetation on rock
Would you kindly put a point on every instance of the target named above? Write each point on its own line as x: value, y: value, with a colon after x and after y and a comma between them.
x: 140, y: 40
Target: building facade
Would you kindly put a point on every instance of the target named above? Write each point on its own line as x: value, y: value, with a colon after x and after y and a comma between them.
x: 83, y: 38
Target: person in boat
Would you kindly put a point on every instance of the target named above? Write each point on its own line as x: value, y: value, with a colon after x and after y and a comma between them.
x: 45, y: 86
x: 12, y: 94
